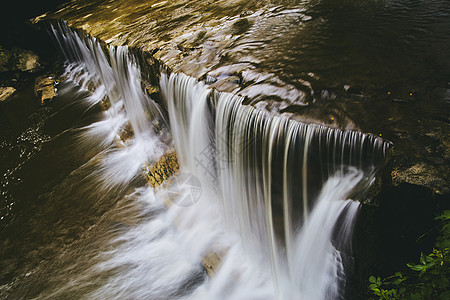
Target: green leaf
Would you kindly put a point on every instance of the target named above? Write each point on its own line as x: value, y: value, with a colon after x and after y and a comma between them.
x: 446, y: 228
x: 422, y: 272
x: 431, y: 279
x: 416, y: 267
x: 422, y: 258
x: 444, y: 216
x: 377, y: 292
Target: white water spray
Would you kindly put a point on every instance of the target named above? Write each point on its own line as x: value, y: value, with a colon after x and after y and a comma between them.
x: 274, y: 200
x: 249, y: 155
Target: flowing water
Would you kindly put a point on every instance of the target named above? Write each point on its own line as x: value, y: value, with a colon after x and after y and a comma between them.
x: 378, y: 66
x: 263, y: 170
x: 273, y: 195
x: 271, y: 199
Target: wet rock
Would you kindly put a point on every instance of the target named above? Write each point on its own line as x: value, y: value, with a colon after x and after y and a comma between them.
x: 4, y: 59
x: 44, y: 88
x: 211, y: 262
x: 230, y: 83
x: 126, y: 132
x: 152, y: 89
x: 5, y: 92
x: 423, y: 158
x: 25, y: 61
x: 160, y: 171
x: 19, y: 60
x: 240, y: 26
x: 421, y: 174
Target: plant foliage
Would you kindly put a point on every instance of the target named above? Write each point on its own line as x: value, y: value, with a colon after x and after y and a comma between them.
x: 428, y: 279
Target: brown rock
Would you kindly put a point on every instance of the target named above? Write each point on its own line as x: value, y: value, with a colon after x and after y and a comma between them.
x: 211, y: 262
x: 421, y: 174
x: 5, y: 92
x: 44, y: 88
x: 152, y: 90
x: 19, y: 60
x: 24, y: 60
x: 160, y: 171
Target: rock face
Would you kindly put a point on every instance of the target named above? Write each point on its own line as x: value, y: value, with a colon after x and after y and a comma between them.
x: 421, y: 174
x: 5, y: 92
x: 44, y: 88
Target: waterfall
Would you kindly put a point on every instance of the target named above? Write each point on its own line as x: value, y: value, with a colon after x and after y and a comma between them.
x: 284, y: 185
x: 113, y: 77
x: 275, y: 193
x: 114, y: 72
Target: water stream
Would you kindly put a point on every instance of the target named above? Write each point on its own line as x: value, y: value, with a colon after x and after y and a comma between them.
x: 274, y: 195
x: 282, y: 185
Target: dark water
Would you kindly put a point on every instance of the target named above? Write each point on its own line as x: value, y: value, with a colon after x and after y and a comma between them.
x: 379, y: 66
x: 44, y: 207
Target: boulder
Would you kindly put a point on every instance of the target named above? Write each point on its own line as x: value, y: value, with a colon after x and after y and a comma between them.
x: 5, y: 92
x: 19, y: 60
x: 44, y: 88
x: 4, y: 59
x: 25, y: 61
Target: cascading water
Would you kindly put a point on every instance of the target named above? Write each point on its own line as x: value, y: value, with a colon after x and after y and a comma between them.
x: 113, y: 74
x: 273, y: 190
x: 283, y: 185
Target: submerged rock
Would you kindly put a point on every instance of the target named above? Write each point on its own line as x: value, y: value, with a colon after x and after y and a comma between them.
x: 211, y: 262
x: 281, y: 79
x: 5, y: 92
x: 126, y: 132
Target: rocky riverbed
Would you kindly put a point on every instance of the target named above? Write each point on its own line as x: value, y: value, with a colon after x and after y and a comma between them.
x: 17, y: 66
